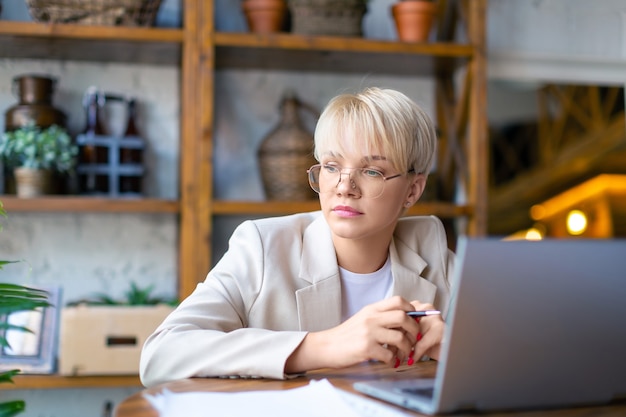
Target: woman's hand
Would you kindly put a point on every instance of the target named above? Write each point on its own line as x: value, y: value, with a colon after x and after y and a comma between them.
x: 430, y: 334
x: 381, y: 331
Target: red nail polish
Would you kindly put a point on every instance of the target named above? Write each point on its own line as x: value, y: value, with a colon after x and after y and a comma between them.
x: 410, y: 361
x: 397, y: 363
x: 419, y: 337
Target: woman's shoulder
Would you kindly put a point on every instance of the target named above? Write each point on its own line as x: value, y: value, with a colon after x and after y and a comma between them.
x: 425, y: 223
x: 416, y: 229
x: 278, y: 224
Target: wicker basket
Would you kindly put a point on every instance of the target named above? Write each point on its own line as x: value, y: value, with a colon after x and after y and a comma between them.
x: 95, y: 12
x: 327, y: 17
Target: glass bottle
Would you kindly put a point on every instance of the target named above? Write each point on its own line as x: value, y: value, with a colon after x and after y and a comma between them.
x: 91, y: 180
x: 132, y: 154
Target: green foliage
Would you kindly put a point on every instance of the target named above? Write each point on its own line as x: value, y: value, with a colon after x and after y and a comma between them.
x: 15, y: 298
x: 12, y: 408
x: 33, y: 147
x: 135, y: 296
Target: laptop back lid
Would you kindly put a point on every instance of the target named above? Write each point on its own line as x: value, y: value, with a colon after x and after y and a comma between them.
x: 535, y: 324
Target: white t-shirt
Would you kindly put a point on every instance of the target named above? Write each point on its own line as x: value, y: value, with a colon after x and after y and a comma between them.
x: 359, y: 290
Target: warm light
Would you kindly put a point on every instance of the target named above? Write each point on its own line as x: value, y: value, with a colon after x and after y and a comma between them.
x: 533, y: 234
x: 537, y: 212
x: 576, y: 222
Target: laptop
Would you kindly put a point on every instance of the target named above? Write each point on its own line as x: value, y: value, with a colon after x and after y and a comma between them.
x: 531, y: 325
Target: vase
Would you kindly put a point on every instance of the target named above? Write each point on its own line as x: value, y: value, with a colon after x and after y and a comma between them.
x: 285, y: 155
x: 414, y: 19
x: 34, y: 94
x: 31, y: 182
x: 265, y: 16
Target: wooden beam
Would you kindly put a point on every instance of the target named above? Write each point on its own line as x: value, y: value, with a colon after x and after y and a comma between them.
x: 477, y: 136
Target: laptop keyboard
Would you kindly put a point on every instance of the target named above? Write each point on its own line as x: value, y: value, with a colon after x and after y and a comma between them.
x: 422, y: 392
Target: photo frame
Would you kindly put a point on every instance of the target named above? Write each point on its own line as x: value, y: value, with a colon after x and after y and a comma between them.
x: 36, y: 352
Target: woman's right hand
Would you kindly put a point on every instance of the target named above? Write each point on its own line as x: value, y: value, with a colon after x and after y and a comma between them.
x: 381, y: 331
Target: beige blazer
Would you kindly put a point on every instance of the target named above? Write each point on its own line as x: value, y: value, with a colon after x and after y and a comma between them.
x: 278, y: 280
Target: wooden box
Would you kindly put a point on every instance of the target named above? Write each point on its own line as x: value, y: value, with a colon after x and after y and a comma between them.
x: 105, y: 340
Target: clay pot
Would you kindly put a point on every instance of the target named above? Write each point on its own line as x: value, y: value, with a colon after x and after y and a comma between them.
x: 265, y: 16
x: 414, y: 19
x: 31, y: 182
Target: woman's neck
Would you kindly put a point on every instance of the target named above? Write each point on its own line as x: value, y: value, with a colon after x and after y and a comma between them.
x: 361, y: 256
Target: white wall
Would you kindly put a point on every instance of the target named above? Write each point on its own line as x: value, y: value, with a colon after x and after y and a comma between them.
x: 577, y: 41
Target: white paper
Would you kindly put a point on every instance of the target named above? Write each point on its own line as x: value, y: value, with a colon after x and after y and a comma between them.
x: 318, y: 398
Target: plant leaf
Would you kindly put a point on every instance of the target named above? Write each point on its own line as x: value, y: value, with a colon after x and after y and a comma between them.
x: 12, y: 408
x: 7, y: 376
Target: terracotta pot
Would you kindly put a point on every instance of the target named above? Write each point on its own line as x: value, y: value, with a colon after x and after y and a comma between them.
x: 265, y: 16
x: 30, y: 182
x: 414, y: 19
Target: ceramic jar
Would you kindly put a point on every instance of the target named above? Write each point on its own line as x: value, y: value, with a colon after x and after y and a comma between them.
x: 34, y: 94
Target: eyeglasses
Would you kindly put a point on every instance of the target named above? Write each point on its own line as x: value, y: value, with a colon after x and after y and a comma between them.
x: 370, y: 182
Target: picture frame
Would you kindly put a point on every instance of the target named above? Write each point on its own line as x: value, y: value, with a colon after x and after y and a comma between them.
x: 36, y: 352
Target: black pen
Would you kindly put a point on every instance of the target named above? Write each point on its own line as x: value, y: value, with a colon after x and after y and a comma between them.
x: 423, y: 313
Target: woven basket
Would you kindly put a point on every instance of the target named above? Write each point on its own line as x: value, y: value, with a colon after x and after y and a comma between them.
x: 95, y: 12
x: 327, y: 17
x: 286, y: 153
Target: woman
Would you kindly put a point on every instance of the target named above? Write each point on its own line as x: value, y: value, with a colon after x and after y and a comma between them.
x: 328, y: 288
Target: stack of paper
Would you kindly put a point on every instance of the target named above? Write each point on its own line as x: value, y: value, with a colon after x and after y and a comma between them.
x: 319, y: 398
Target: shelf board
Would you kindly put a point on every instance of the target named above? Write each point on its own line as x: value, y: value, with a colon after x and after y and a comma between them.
x: 27, y: 382
x: 235, y: 208
x: 88, y: 204
x: 90, y: 43
x: 291, y: 52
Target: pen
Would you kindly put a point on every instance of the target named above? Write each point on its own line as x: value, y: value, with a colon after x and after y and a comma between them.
x: 423, y: 313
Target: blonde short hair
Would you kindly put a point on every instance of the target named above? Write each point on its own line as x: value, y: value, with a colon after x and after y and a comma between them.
x: 378, y: 121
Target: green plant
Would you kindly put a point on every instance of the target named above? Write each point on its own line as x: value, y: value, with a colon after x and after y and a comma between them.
x: 15, y: 298
x: 41, y: 148
x: 135, y: 296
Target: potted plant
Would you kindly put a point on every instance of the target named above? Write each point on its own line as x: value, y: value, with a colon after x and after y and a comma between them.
x: 13, y: 299
x: 103, y: 335
x: 414, y: 19
x: 35, y: 153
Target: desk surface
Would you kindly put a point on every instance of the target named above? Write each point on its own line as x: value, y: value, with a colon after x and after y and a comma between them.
x: 137, y: 406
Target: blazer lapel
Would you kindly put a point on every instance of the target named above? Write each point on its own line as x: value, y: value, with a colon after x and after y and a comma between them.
x: 319, y: 304
x: 406, y: 268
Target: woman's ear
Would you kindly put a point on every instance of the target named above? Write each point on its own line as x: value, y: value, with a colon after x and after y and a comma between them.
x: 416, y: 189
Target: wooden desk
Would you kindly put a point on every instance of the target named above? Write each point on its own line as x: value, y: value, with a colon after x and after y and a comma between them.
x: 137, y: 406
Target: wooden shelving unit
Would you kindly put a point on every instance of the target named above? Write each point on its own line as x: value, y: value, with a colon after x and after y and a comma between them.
x: 24, y: 382
x: 199, y: 50
x: 91, y: 43
x: 224, y: 208
x: 89, y: 204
